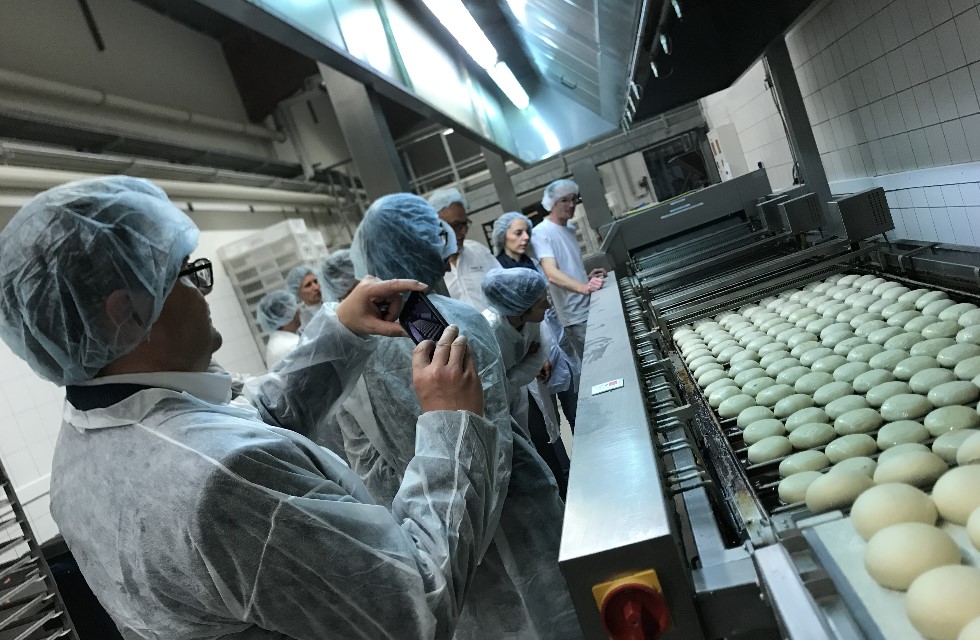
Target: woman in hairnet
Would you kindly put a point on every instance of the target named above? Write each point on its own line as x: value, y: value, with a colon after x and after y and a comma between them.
x: 519, y: 591
x: 518, y: 300
x: 337, y: 275
x: 303, y: 283
x: 189, y: 516
x: 278, y: 315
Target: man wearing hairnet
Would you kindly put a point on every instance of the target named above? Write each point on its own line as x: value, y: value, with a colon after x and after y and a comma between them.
x: 337, y: 275
x: 557, y: 248
x: 518, y: 591
x: 472, y: 260
x: 189, y: 516
x: 302, y: 282
x: 278, y: 315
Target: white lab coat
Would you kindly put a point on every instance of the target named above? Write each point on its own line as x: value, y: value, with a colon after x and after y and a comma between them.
x: 280, y: 343
x: 191, y: 517
x: 463, y: 280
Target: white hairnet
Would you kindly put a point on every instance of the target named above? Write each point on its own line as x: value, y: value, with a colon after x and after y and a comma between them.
x: 445, y: 197
x: 66, y: 251
x: 557, y: 190
x: 401, y: 236
x: 337, y: 275
x: 502, y: 224
x: 511, y: 292
x: 294, y: 281
x: 277, y: 309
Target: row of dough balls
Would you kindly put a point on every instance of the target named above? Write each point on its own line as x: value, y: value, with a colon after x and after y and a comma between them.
x: 832, y: 379
x: 906, y: 551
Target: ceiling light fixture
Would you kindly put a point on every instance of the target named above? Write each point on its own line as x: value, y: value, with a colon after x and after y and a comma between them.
x: 457, y: 19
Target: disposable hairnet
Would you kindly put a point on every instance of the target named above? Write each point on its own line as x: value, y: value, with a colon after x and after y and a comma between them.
x: 276, y: 310
x: 511, y: 292
x: 66, y: 251
x: 502, y: 224
x: 337, y: 275
x: 401, y: 236
x: 445, y: 197
x: 557, y: 190
x: 294, y: 281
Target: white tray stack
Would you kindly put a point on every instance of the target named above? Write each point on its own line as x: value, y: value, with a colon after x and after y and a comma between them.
x: 259, y: 263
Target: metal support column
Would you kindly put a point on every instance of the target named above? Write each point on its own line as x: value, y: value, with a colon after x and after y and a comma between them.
x: 501, y: 181
x: 585, y: 173
x: 799, y: 132
x: 366, y: 133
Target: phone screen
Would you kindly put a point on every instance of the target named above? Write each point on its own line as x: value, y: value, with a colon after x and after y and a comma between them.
x: 421, y: 319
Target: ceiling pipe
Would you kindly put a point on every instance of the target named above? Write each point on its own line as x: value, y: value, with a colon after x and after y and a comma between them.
x: 21, y: 82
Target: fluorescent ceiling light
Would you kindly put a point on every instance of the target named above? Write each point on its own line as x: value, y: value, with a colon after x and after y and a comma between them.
x: 505, y: 79
x: 455, y: 17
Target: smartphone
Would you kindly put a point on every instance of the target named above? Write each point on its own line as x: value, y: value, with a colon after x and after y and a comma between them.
x: 421, y: 319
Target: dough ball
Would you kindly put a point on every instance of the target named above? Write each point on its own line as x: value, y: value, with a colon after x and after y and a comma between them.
x: 710, y: 376
x: 969, y: 335
x: 904, y: 341
x: 970, y: 631
x: 870, y: 379
x: 969, y: 451
x: 735, y: 368
x: 697, y: 364
x: 968, y: 369
x: 952, y: 418
x: 753, y: 414
x: 957, y: 493
x: 810, y: 382
x: 913, y: 295
x: 937, y: 307
x: 877, y: 395
x: 862, y: 464
x: 832, y: 391
x: 772, y: 347
x: 910, y: 366
x: 887, y: 504
x: 957, y: 392
x: 859, y: 320
x: 770, y: 448
x: 800, y: 338
x: 931, y: 348
x: 792, y: 489
x: 721, y: 346
x: 791, y: 375
x: 726, y: 355
x: 791, y: 404
x: 928, y: 379
x: 767, y: 360
x: 769, y: 397
x: 865, y: 329
x: 900, y: 553
x: 803, y: 347
x: 864, y: 353
x: 810, y: 436
x: 844, y: 347
x: 941, y: 330
x: 864, y: 420
x: 903, y: 318
x: 762, y: 429
x: 834, y: 340
x: 844, y: 404
x: 850, y: 446
x: 809, y: 460
x: 970, y: 318
x: 742, y: 377
x: 753, y: 387
x: 920, y: 323
x: 760, y: 342
x: 917, y: 468
x: 973, y: 528
x: 881, y: 336
x: 819, y: 325
x: 905, y: 406
x: 778, y: 367
x: 957, y: 353
x: 721, y: 394
x: 946, y: 445
x: 955, y: 311
x: 734, y: 405
x: 806, y: 416
x: 850, y: 371
x: 813, y: 355
x: 901, y: 432
x: 923, y: 301
x: 901, y: 449
x: 836, y: 490
x: 942, y: 601
x: 888, y: 359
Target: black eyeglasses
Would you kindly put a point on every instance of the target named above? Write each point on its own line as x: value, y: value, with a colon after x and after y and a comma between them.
x: 571, y: 200
x: 200, y: 273
x: 461, y: 225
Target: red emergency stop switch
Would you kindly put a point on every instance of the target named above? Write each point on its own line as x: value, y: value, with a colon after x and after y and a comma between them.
x: 633, y: 607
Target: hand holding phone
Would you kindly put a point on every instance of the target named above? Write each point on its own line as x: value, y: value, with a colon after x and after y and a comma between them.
x: 444, y: 375
x: 421, y: 319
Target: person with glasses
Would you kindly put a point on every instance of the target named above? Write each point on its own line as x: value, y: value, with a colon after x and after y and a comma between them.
x: 556, y: 247
x: 278, y: 315
x: 192, y: 517
x: 472, y: 260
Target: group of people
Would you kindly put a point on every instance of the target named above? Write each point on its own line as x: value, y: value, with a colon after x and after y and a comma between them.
x: 364, y: 487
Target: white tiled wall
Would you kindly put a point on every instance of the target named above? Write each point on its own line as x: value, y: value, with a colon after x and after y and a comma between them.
x: 749, y: 105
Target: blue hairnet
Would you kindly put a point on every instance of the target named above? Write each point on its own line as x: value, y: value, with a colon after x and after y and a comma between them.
x: 276, y: 310
x: 337, y: 275
x: 502, y: 224
x: 294, y: 281
x: 557, y: 190
x: 66, y: 251
x: 445, y: 197
x: 511, y: 292
x: 401, y: 236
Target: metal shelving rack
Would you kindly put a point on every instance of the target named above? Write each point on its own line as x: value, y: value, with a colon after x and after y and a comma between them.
x: 30, y: 606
